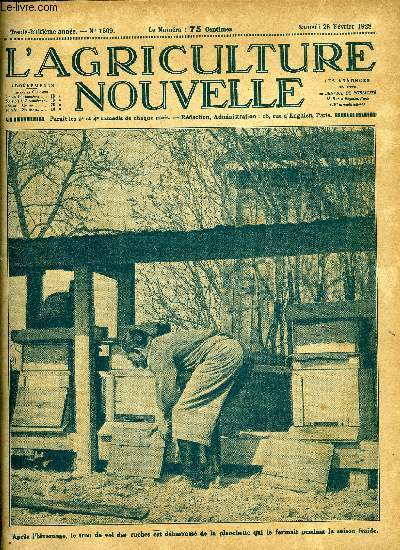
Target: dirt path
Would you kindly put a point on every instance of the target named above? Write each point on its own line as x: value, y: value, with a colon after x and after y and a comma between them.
x: 172, y: 500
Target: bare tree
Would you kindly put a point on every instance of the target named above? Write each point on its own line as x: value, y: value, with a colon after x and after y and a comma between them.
x: 185, y: 192
x: 198, y: 178
x: 239, y: 176
x: 54, y: 179
x: 294, y: 175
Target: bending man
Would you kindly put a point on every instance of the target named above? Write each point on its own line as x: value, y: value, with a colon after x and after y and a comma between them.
x: 194, y: 372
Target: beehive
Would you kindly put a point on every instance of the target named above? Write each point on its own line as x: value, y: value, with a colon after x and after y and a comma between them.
x: 332, y: 384
x: 43, y: 395
x: 136, y: 449
x: 129, y: 439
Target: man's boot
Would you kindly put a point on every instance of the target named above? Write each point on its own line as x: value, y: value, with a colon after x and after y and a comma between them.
x: 212, y: 453
x: 189, y: 453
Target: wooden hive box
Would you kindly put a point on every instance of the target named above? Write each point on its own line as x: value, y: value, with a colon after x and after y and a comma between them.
x: 327, y: 336
x: 333, y: 392
x: 128, y: 392
x: 136, y: 449
x: 332, y: 378
x: 43, y: 399
x: 301, y: 466
x: 130, y: 407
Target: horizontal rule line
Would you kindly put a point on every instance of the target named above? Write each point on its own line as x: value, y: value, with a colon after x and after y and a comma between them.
x: 182, y: 36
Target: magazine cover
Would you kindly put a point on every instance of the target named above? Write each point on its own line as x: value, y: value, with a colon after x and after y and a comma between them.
x: 200, y: 274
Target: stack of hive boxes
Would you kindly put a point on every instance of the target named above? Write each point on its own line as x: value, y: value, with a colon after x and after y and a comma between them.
x: 332, y: 382
x: 332, y: 401
x: 129, y: 438
x: 43, y: 400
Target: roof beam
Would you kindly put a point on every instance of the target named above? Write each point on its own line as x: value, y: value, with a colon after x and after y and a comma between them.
x: 108, y: 252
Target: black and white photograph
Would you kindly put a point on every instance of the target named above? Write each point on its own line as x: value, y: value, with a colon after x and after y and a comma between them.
x: 193, y: 334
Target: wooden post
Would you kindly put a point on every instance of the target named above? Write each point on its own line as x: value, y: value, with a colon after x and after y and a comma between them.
x: 109, y: 390
x: 126, y: 298
x: 85, y: 440
x: 34, y: 297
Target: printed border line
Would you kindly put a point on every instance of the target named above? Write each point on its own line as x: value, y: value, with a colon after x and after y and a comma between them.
x: 180, y: 36
x: 151, y: 525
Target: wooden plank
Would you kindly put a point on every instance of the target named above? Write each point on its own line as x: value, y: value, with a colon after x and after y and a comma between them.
x: 84, y: 508
x: 37, y: 419
x: 33, y: 396
x: 252, y: 450
x: 297, y: 465
x: 51, y: 412
x: 300, y: 468
x: 44, y: 380
x: 39, y: 414
x: 324, y: 332
x: 331, y: 361
x: 45, y: 353
x: 45, y: 366
x: 325, y: 433
x: 35, y: 430
x: 42, y: 335
x: 254, y: 434
x: 298, y: 485
x: 331, y: 310
x: 333, y: 235
x: 324, y: 348
x: 359, y: 458
x: 53, y: 334
x: 51, y: 401
x: 36, y: 406
x: 49, y: 442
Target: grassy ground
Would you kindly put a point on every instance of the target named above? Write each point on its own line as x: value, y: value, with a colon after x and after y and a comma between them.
x: 240, y: 497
